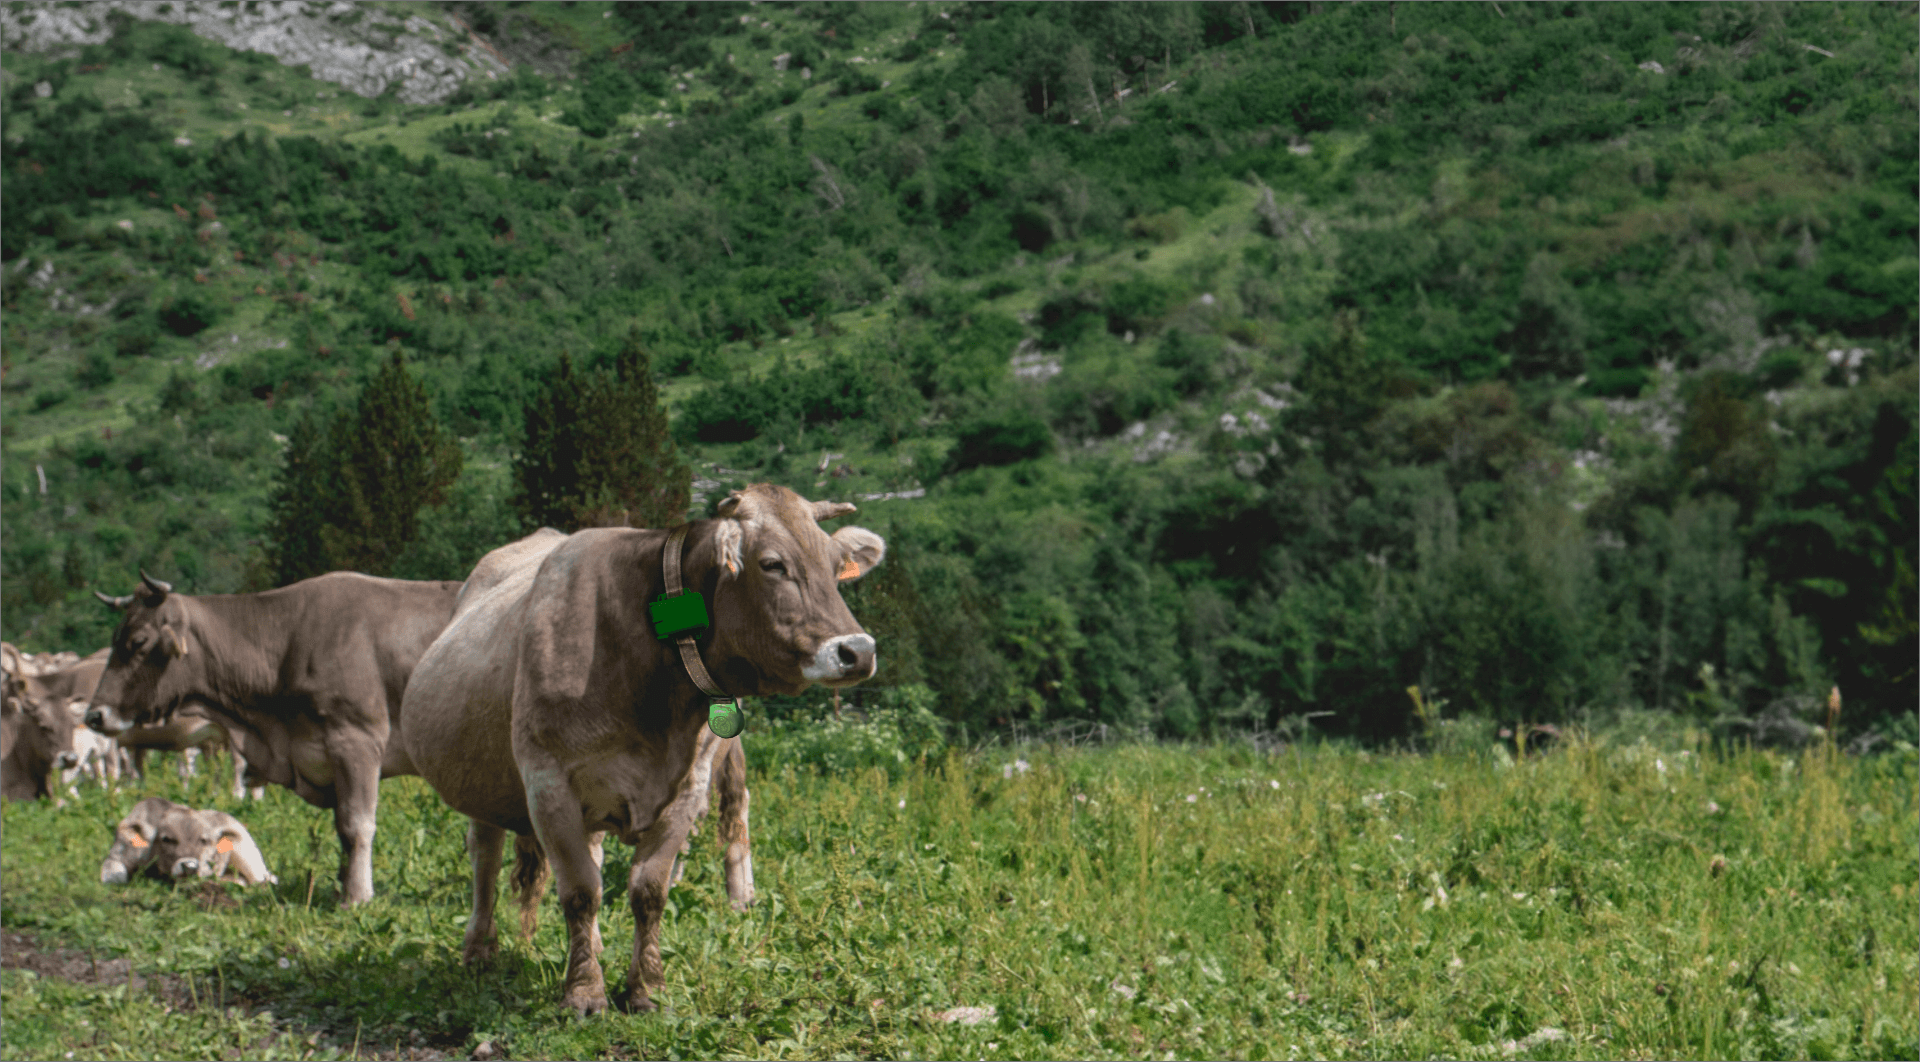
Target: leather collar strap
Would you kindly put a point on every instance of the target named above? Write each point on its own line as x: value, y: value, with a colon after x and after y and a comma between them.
x: 726, y: 712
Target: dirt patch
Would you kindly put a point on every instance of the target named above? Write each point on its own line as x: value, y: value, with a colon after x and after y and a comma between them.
x: 21, y: 950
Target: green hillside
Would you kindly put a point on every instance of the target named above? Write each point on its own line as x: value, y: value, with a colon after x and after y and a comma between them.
x: 1244, y: 365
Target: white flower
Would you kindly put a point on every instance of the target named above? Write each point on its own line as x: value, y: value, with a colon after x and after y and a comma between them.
x: 1273, y: 783
x: 902, y: 804
x: 1192, y: 798
x: 1081, y: 797
x: 283, y: 963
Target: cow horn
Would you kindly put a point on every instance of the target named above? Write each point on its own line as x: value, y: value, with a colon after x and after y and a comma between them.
x: 826, y: 510
x: 155, y: 586
x: 114, y: 602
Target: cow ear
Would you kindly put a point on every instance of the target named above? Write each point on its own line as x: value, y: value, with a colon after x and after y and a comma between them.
x: 119, y: 603
x: 826, y: 510
x: 728, y: 505
x: 136, y: 831
x: 726, y: 543
x: 861, y: 552
x: 175, y: 642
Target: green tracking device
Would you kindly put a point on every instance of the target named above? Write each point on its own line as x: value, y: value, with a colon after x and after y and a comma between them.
x: 726, y: 718
x: 678, y: 613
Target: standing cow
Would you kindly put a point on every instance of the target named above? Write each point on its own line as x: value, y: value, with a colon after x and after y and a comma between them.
x: 306, y: 680
x: 36, y: 736
x: 549, y: 708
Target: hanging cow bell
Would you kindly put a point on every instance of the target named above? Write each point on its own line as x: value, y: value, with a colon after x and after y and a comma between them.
x: 726, y: 718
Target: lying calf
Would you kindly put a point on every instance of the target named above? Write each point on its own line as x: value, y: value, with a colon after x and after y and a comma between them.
x: 174, y: 841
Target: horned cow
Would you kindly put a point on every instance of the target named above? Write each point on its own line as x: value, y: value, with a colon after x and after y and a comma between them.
x: 305, y: 679
x: 548, y: 709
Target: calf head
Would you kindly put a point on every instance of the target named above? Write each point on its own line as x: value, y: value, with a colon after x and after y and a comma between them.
x: 176, y: 842
x: 146, y: 678
x: 779, y: 621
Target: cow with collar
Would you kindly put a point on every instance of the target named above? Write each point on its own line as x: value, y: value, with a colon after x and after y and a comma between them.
x: 552, y: 708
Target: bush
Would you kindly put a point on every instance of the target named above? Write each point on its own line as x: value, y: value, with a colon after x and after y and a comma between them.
x: 1001, y: 438
x: 901, y: 729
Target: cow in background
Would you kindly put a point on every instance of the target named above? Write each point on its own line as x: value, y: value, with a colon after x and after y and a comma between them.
x: 35, y: 740
x: 36, y: 734
x: 548, y: 708
x: 306, y: 680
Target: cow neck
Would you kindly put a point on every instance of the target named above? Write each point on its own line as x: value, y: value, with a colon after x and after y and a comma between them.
x: 689, y: 652
x: 238, y: 637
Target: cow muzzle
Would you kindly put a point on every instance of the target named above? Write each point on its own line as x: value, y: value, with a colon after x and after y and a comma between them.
x: 843, y: 661
x: 104, y: 719
x: 186, y: 868
x: 65, y: 761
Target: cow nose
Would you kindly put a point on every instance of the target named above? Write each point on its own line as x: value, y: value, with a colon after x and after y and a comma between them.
x: 95, y: 717
x: 65, y: 761
x: 186, y: 868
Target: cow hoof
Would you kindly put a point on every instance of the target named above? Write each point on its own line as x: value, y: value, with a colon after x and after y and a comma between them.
x: 639, y: 1002
x: 479, y: 954
x: 743, y: 906
x: 585, y: 1002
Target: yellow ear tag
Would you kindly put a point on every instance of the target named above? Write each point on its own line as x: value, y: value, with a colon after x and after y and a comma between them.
x: 849, y: 570
x: 225, y: 845
x: 136, y: 840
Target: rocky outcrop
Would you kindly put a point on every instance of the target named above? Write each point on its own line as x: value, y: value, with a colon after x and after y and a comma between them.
x: 364, y: 48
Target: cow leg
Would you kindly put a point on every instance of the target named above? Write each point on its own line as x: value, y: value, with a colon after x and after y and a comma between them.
x: 356, y: 764
x: 485, y: 844
x: 189, y: 761
x: 654, y: 852
x: 562, y: 830
x: 733, y: 832
x: 530, y: 877
x: 239, y: 775
x: 139, y: 764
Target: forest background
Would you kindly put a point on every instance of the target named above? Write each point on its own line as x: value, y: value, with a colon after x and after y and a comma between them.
x: 1208, y: 367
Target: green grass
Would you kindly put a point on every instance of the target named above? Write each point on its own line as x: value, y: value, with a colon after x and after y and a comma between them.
x: 1201, y: 901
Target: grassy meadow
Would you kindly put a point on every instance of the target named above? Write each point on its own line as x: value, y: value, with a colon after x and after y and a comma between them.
x: 1603, y: 900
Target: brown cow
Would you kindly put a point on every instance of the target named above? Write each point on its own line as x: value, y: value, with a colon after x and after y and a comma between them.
x: 549, y: 708
x: 36, y: 735
x: 306, y: 680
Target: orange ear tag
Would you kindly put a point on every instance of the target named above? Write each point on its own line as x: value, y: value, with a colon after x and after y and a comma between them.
x: 849, y: 570
x: 225, y: 845
x: 136, y: 840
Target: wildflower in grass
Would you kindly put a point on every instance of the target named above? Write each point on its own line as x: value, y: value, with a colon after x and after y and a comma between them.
x: 1273, y: 783
x: 1124, y: 991
x: 1713, y: 808
x: 902, y: 804
x: 1080, y: 797
x: 1192, y: 798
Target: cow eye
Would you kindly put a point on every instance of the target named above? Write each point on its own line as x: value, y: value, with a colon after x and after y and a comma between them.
x: 773, y: 564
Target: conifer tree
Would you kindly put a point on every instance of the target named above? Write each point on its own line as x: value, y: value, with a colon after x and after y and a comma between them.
x: 598, y: 453
x: 298, y: 504
x: 349, y: 496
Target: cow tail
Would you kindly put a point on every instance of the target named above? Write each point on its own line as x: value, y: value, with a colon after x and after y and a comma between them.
x: 530, y: 877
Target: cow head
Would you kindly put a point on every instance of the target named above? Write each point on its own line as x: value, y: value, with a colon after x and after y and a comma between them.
x: 145, y: 679
x: 779, y: 621
x: 38, y: 732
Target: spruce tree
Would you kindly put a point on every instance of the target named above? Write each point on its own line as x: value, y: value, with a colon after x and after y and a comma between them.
x: 598, y: 452
x: 298, y: 505
x: 349, y: 495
